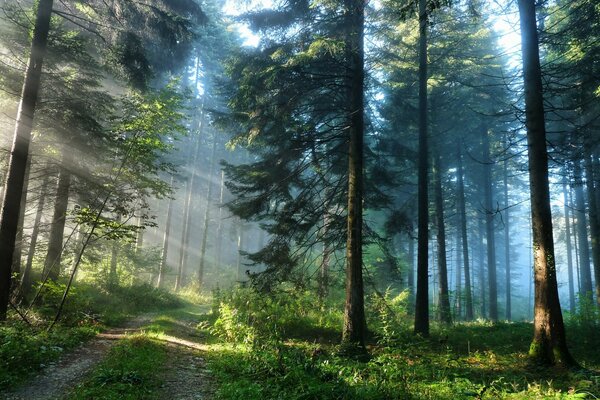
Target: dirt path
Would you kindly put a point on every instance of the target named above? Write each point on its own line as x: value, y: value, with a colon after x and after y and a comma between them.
x: 184, y: 375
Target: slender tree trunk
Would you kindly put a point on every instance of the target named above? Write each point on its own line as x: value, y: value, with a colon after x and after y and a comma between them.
x: 354, y: 311
x: 422, y: 294
x: 52, y: 264
x: 482, y: 291
x: 324, y: 267
x: 184, y: 234
x: 13, y: 187
x: 575, y: 247
x: 594, y: 220
x: 549, y: 343
x: 444, y: 297
x: 139, y: 239
x: 582, y: 236
x: 240, y: 246
x: 113, y: 278
x: 489, y: 227
x: 462, y: 213
x: 165, y: 244
x: 569, y: 250
x: 26, y: 276
x: 190, y: 194
x: 458, y: 302
x: 220, y: 223
x: 16, y: 267
x: 411, y: 272
x: 202, y: 265
x: 507, y: 240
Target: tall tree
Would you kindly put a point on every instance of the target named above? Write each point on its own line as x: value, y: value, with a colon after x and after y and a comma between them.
x: 354, y: 312
x: 549, y: 344
x: 422, y: 294
x: 444, y: 296
x: 20, y: 150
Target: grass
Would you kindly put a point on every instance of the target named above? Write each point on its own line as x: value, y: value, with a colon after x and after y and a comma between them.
x: 477, y: 360
x: 129, y: 372
x: 26, y: 349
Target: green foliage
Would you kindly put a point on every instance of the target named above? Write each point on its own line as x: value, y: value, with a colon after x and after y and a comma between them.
x: 89, y: 304
x: 24, y: 350
x: 246, y: 316
x: 128, y: 372
x: 478, y: 360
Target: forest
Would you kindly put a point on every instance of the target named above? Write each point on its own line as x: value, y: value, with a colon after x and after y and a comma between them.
x: 299, y: 199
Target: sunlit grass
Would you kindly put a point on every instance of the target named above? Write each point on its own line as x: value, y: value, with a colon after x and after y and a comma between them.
x: 130, y: 371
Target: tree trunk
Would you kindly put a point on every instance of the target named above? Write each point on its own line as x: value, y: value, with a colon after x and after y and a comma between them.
x: 185, y: 252
x: 575, y: 247
x: 411, y: 273
x: 26, y: 276
x: 569, y: 250
x: 489, y: 228
x: 52, y: 263
x: 165, y: 244
x: 240, y: 246
x: 20, y: 150
x: 422, y: 294
x: 202, y: 265
x: 507, y: 240
x: 139, y: 238
x: 113, y: 278
x: 464, y: 239
x: 354, y: 311
x: 16, y: 267
x: 444, y: 298
x: 220, y: 223
x: 184, y: 234
x: 323, y: 289
x: 549, y: 343
x: 582, y: 236
x: 594, y: 220
x: 482, y: 293
x: 458, y: 300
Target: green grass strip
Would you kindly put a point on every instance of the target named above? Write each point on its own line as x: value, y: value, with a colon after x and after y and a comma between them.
x: 130, y: 371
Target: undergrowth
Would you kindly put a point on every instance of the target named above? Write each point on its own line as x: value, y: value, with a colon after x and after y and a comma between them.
x: 25, y: 349
x: 285, y: 345
x: 128, y: 372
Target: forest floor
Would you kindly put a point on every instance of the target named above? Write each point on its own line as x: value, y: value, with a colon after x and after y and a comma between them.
x: 95, y: 369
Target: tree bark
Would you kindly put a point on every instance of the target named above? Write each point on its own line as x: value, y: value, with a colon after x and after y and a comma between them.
x: 52, y: 263
x: 184, y: 234
x: 202, y: 265
x: 13, y: 187
x: 185, y: 253
x: 507, y: 265
x: 26, y: 276
x: 113, y: 278
x: 411, y: 272
x: 354, y: 330
x: 549, y: 344
x: 482, y: 292
x: 569, y: 250
x: 489, y: 228
x: 594, y: 219
x: 585, y: 269
x: 444, y: 297
x: 16, y: 267
x: 220, y: 223
x: 422, y: 294
x: 165, y: 244
x: 464, y: 238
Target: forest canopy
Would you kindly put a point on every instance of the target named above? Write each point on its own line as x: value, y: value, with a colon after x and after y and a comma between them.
x: 390, y: 173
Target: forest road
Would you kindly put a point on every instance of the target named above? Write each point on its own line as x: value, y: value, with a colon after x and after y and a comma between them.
x: 184, y: 375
